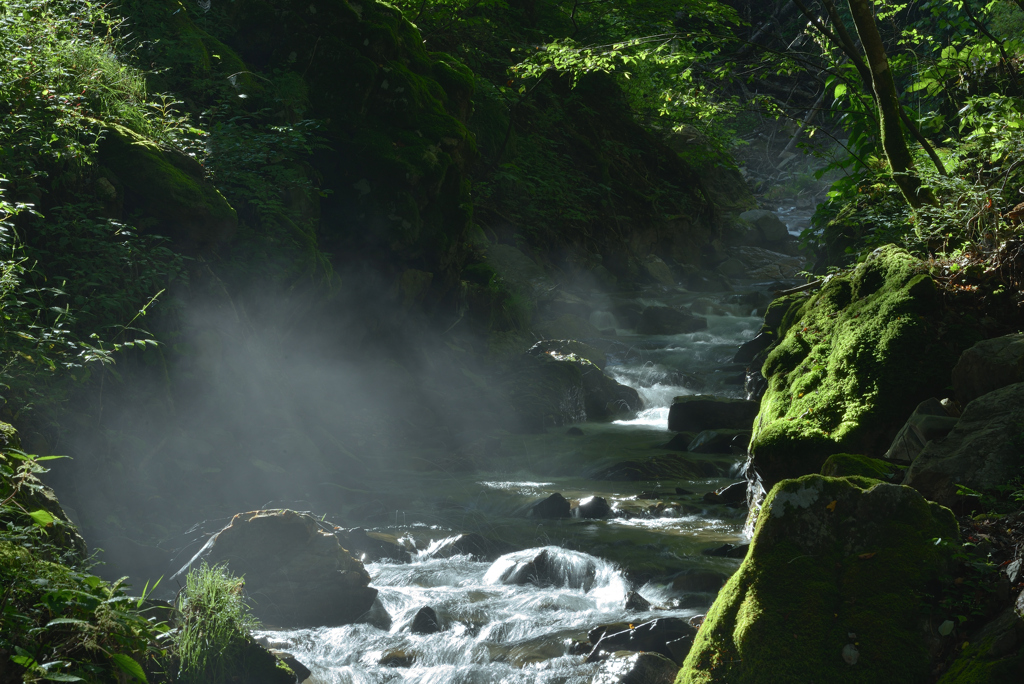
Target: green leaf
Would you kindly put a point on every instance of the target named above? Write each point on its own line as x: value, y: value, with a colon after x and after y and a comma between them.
x: 42, y: 518
x: 840, y: 90
x: 129, y: 665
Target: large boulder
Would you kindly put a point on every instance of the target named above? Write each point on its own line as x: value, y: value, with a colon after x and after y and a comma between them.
x: 983, y: 452
x: 989, y: 365
x: 764, y: 264
x: 768, y: 224
x: 700, y: 412
x: 636, y: 668
x: 297, y: 573
x: 853, y: 361
x: 831, y: 589
x: 552, y: 384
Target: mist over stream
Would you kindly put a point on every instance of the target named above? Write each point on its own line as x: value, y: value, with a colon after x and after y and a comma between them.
x: 398, y: 433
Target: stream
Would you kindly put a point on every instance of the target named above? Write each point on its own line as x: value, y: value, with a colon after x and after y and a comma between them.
x: 497, y: 632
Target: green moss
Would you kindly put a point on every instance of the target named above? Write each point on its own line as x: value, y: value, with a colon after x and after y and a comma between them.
x: 845, y: 465
x: 167, y: 187
x: 856, y: 358
x: 833, y: 561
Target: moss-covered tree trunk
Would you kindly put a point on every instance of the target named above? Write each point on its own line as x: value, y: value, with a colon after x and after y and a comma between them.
x: 893, y: 142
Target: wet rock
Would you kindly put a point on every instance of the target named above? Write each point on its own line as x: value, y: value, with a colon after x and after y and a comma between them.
x: 771, y: 227
x: 377, y: 616
x: 471, y: 544
x: 653, y: 637
x: 549, y: 567
x: 1015, y: 571
x: 554, y: 507
x: 665, y: 320
x: 981, y: 453
x: 297, y: 574
x: 829, y: 558
x: 989, y: 365
x: 730, y: 494
x: 728, y: 551
x: 751, y: 348
x: 425, y: 621
x: 732, y: 268
x: 574, y: 432
x: 593, y: 507
x: 636, y: 668
x: 705, y: 412
x: 707, y: 282
x: 372, y: 546
x: 720, y: 442
x: 634, y: 601
x: 930, y: 420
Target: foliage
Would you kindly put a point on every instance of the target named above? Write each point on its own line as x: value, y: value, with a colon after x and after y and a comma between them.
x: 58, y: 622
x: 71, y: 274
x: 215, y: 620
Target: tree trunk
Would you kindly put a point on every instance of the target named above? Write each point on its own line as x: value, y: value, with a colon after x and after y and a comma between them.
x: 893, y: 142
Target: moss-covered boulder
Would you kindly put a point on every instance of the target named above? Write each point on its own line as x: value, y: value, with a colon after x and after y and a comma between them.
x: 165, y: 190
x: 994, y: 656
x: 853, y: 361
x: 831, y: 589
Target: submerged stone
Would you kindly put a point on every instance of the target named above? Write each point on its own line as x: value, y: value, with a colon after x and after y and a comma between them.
x: 830, y: 557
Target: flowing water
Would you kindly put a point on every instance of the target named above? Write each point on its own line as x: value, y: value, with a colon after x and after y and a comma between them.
x: 495, y: 631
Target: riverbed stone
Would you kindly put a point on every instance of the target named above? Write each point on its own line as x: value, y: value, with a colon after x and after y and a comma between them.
x: 425, y: 621
x: 297, y: 574
x: 667, y: 320
x: 699, y: 412
x: 658, y: 270
x: 720, y: 442
x: 652, y: 637
x: 471, y: 544
x: 832, y: 562
x: 856, y: 358
x: 982, y: 452
x: 765, y: 264
x: 989, y: 365
x: 548, y: 567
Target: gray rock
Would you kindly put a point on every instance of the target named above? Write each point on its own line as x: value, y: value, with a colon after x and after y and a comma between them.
x: 764, y: 264
x: 771, y: 226
x: 297, y: 574
x: 989, y: 365
x: 982, y: 452
x: 665, y: 320
x: 930, y: 420
x: 377, y: 616
x: 701, y: 412
x: 653, y: 637
x: 634, y: 601
x: 719, y: 442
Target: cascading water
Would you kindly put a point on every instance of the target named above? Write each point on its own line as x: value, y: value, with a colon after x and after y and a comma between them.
x: 525, y: 617
x: 491, y: 631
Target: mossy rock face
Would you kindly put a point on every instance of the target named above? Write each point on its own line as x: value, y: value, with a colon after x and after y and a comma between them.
x: 167, y: 189
x: 994, y: 656
x: 854, y: 361
x: 834, y: 574
x: 845, y: 465
x: 392, y: 117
